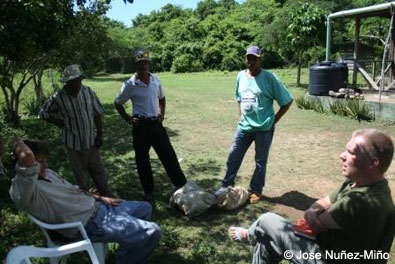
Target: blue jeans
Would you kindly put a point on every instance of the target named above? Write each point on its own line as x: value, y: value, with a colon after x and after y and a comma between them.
x: 272, y: 236
x: 128, y: 225
x: 241, y: 143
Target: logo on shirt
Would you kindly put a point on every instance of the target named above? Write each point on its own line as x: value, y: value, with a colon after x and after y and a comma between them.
x: 249, y: 102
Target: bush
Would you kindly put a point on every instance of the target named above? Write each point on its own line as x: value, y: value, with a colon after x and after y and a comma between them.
x: 355, y: 109
x: 358, y: 110
x: 113, y: 65
x: 186, y: 63
x: 303, y: 102
x: 271, y: 59
x: 33, y: 107
x: 338, y: 108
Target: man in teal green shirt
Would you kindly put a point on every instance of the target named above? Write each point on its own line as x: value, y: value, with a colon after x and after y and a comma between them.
x: 256, y: 89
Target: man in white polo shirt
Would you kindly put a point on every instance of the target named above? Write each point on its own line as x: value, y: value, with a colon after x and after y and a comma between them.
x: 148, y: 99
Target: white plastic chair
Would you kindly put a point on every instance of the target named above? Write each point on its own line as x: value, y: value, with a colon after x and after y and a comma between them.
x: 100, y: 249
x: 22, y: 254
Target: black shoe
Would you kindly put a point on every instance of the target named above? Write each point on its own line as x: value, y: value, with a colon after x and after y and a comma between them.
x: 149, y: 197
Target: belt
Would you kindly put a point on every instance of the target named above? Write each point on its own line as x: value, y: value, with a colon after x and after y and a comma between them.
x: 146, y: 118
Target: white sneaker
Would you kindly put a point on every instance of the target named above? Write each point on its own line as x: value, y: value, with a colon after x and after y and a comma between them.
x: 221, y: 191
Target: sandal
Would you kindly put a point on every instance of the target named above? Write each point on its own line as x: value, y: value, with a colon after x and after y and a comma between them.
x: 238, y: 234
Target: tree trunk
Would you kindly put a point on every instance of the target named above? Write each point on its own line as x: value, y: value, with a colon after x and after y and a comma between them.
x: 299, y: 69
x: 12, y: 97
x: 38, y: 86
x: 317, y: 59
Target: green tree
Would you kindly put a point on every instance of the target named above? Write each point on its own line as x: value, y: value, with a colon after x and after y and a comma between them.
x: 205, y: 8
x: 307, y: 28
x: 36, y: 34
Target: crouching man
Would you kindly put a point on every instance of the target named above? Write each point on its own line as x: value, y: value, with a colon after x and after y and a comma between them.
x: 42, y: 193
x: 348, y: 222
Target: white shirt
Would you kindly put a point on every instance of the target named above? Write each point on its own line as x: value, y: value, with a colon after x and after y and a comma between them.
x: 145, y: 98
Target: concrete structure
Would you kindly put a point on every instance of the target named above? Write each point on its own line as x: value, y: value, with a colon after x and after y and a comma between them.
x: 384, y: 110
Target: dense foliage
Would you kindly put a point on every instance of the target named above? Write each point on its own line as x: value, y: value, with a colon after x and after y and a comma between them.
x: 41, y: 34
x: 215, y: 34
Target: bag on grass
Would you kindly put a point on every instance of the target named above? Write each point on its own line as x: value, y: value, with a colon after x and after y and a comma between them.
x: 233, y: 198
x: 192, y: 200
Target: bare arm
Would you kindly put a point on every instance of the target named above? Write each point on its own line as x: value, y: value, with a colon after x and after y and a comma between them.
x: 283, y: 109
x: 122, y: 112
x: 23, y: 153
x: 108, y: 200
x: 162, y: 108
x: 318, y: 217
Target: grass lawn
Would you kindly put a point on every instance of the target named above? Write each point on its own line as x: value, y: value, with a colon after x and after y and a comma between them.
x: 201, y: 118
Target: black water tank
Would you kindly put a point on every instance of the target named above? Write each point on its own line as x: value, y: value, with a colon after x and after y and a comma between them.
x: 327, y: 75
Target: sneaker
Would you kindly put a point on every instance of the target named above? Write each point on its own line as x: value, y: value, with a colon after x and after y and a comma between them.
x: 221, y: 191
x: 255, y: 198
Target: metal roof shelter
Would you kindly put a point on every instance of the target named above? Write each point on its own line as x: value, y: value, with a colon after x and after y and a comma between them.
x: 386, y: 10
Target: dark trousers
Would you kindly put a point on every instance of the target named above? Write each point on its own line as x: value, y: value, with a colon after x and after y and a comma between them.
x: 152, y: 133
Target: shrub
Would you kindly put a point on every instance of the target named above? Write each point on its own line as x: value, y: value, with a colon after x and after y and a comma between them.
x: 317, y: 106
x: 33, y: 106
x: 303, y: 102
x: 186, y: 63
x: 358, y: 110
x: 355, y: 109
x: 338, y: 108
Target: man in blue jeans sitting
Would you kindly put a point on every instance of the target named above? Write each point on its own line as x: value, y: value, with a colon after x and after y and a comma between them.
x: 42, y: 193
x: 346, y: 226
x: 256, y: 89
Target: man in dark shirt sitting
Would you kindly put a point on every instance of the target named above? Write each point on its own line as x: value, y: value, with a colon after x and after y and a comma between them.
x: 350, y: 220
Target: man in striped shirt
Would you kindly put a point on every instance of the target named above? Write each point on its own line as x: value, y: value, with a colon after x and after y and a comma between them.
x: 77, y: 110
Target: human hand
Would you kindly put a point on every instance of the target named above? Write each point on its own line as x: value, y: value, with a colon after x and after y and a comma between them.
x: 132, y: 120
x: 161, y: 117
x: 111, y: 201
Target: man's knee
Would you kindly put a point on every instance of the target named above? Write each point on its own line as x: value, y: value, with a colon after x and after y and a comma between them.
x: 269, y: 224
x: 146, y: 207
x: 268, y: 218
x: 156, y: 234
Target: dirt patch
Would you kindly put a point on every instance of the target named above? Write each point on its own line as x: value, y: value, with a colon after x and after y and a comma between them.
x: 293, y: 203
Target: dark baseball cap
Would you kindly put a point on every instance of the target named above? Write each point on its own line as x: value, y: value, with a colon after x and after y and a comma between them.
x: 142, y: 55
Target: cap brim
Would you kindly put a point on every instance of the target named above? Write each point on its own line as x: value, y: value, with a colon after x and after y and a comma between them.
x: 144, y: 59
x: 256, y: 55
x: 70, y: 78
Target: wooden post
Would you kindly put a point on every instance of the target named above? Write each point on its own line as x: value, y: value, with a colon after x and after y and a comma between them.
x: 356, y: 51
x: 374, y: 69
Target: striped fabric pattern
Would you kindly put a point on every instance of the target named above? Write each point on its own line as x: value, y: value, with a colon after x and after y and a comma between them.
x: 77, y: 114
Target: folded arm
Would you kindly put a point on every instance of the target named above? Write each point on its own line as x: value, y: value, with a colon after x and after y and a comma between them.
x: 318, y: 217
x: 23, y: 153
x: 27, y: 169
